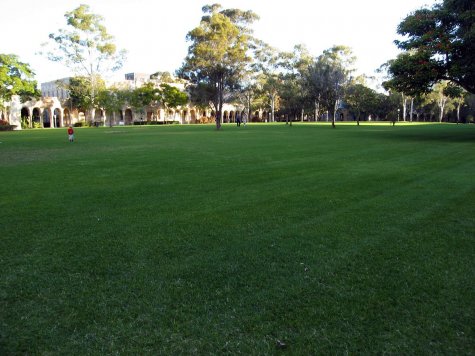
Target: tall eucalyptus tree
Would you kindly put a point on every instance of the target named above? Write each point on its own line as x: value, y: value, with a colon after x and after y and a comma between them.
x: 327, y: 77
x: 218, y: 55
x: 293, y: 94
x: 86, y: 48
x: 269, y: 65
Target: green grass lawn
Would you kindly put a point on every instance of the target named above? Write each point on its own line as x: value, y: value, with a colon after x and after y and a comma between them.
x: 255, y: 240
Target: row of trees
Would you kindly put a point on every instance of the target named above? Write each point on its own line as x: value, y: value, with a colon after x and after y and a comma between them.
x: 439, y: 104
x: 226, y: 63
x: 17, y: 78
x: 437, y: 59
x: 86, y: 48
x: 112, y: 99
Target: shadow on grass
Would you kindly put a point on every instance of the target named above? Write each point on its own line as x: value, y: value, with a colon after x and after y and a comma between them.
x: 428, y: 133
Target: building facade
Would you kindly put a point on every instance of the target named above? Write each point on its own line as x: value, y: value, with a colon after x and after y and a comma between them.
x: 53, y: 109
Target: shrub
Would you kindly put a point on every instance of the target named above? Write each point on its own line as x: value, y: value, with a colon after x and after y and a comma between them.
x: 5, y: 126
x: 24, y: 122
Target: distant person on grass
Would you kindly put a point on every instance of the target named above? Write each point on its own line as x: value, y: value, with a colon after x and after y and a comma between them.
x: 71, y: 134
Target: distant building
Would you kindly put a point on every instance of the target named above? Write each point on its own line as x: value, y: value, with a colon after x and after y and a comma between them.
x: 137, y: 79
x: 57, y: 88
x: 54, y: 108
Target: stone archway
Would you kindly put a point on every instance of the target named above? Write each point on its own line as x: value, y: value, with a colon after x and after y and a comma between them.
x: 25, y: 112
x: 184, y: 117
x: 108, y: 118
x: 193, y: 116
x: 58, y: 118
x: 36, y: 117
x: 170, y: 116
x: 25, y: 115
x: 98, y: 117
x: 46, y: 117
x: 118, y: 117
x: 128, y: 118
x: 67, y: 117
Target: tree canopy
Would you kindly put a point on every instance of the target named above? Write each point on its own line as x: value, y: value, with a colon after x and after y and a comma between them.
x: 85, y: 47
x: 326, y: 78
x: 16, y: 78
x: 111, y: 100
x: 172, y: 97
x: 217, y: 55
x: 80, y: 89
x: 439, y: 45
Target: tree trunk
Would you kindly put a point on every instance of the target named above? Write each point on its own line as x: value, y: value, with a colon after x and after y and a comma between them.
x: 458, y: 113
x: 404, y: 107
x: 442, y: 102
x: 317, y: 109
x: 249, y: 108
x: 272, y: 109
x: 92, y: 114
x: 334, y: 112
x: 412, y: 109
x: 218, y: 117
x: 218, y: 104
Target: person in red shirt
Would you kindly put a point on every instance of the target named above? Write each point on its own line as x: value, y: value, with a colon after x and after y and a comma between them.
x: 71, y: 134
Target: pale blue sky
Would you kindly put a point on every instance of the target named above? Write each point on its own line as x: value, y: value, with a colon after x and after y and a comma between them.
x: 153, y: 31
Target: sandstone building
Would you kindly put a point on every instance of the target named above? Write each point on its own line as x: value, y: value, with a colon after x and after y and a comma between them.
x: 53, y: 109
